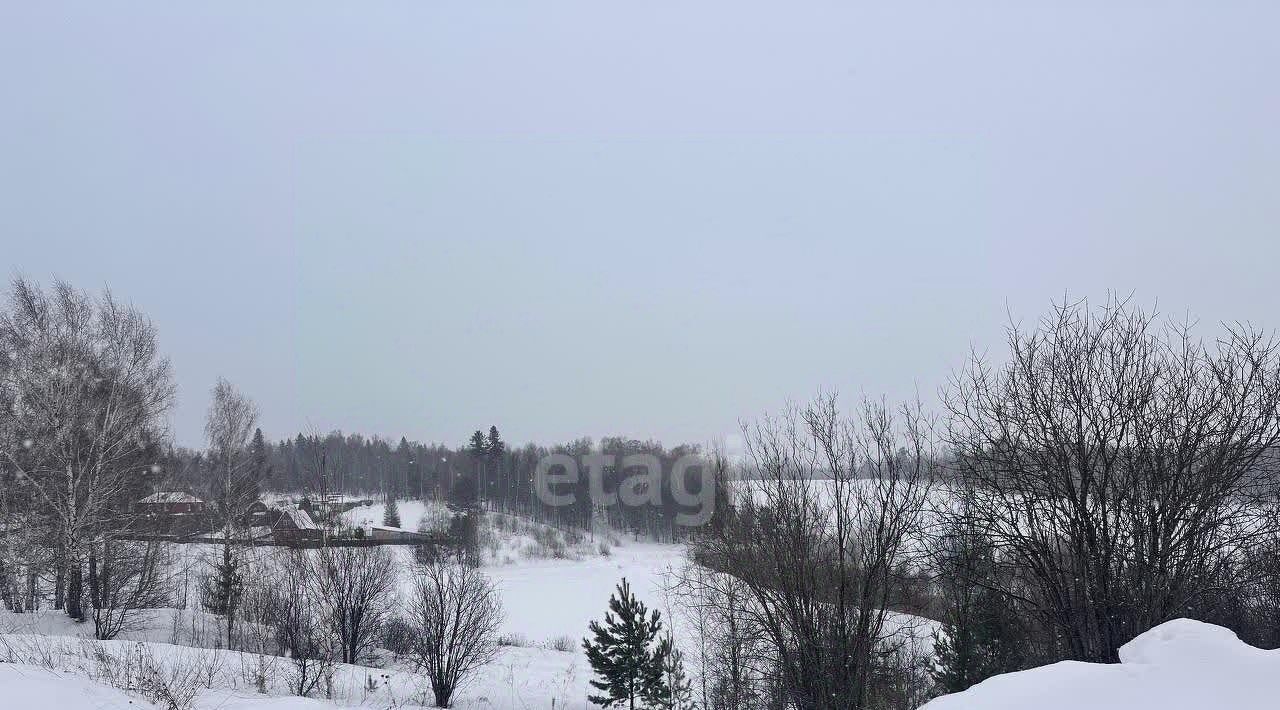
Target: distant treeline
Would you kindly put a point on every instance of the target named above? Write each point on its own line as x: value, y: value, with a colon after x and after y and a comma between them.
x: 484, y: 472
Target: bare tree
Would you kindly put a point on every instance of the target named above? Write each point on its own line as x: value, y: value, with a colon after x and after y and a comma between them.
x: 125, y: 577
x: 297, y: 617
x: 356, y: 588
x: 25, y: 555
x: 233, y: 488
x: 1117, y: 464
x: 87, y: 394
x: 824, y: 534
x: 457, y: 612
x: 733, y: 664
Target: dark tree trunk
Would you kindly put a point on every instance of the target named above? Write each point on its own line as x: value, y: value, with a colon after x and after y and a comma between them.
x: 75, y: 591
x: 60, y: 587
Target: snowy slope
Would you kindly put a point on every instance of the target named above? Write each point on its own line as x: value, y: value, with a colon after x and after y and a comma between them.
x: 1179, y: 665
x: 23, y: 686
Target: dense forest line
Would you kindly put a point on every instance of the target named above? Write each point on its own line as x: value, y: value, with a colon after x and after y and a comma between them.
x: 485, y: 471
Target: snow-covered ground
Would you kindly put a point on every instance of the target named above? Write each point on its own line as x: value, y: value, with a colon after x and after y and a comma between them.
x: 552, y: 584
x: 27, y: 686
x: 412, y: 513
x: 549, y: 598
x: 545, y: 597
x: 1179, y: 665
x: 111, y: 674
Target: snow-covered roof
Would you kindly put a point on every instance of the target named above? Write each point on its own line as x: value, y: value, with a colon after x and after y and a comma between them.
x: 300, y: 519
x: 388, y: 528
x: 171, y: 497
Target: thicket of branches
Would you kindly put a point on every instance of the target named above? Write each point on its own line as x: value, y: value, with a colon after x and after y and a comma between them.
x: 1121, y: 469
x: 1115, y: 473
x: 821, y: 542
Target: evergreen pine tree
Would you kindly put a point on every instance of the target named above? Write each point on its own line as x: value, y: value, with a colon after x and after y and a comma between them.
x: 391, y: 513
x: 223, y: 590
x: 260, y: 455
x: 981, y: 634
x: 677, y: 689
x: 494, y: 446
x: 478, y: 446
x: 624, y: 656
x: 494, y: 449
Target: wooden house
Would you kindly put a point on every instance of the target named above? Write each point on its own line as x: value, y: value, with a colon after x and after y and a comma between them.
x: 295, y: 525
x: 170, y: 503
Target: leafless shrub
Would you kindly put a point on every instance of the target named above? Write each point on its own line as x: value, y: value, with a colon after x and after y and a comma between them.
x: 124, y: 578
x: 564, y: 644
x: 512, y: 639
x: 257, y: 669
x: 1117, y: 467
x: 300, y: 628
x: 398, y: 637
x: 457, y: 612
x: 172, y: 684
x: 355, y: 587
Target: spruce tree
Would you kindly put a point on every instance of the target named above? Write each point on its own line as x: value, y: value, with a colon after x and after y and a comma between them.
x: 981, y: 634
x: 494, y: 446
x: 261, y: 457
x: 623, y: 654
x: 478, y: 446
x: 223, y: 590
x: 981, y: 639
x: 391, y: 513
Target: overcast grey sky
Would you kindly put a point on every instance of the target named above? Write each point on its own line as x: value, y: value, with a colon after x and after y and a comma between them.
x: 650, y: 218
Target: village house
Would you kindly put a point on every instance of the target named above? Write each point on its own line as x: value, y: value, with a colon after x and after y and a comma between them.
x: 295, y: 525
x: 383, y: 532
x: 169, y: 503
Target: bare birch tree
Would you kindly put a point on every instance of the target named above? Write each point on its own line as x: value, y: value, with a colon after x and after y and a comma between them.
x: 88, y: 393
x: 233, y: 488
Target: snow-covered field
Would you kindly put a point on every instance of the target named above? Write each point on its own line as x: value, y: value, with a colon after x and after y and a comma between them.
x: 545, y: 597
x: 546, y: 600
x: 549, y: 598
x: 412, y: 513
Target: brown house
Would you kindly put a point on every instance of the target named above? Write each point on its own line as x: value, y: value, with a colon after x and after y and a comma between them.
x: 170, y: 503
x: 382, y: 532
x: 294, y: 525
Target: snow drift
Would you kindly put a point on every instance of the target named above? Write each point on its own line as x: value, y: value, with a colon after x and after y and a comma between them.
x: 1179, y: 665
x: 23, y: 686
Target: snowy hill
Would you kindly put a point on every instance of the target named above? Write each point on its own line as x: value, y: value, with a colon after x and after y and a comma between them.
x: 1179, y: 665
x: 27, y: 686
